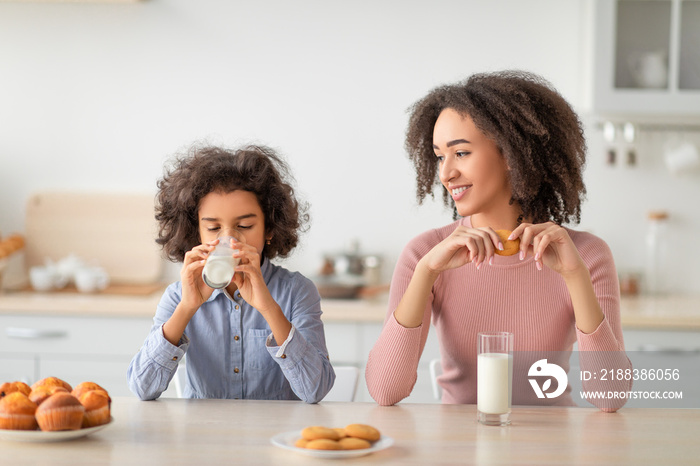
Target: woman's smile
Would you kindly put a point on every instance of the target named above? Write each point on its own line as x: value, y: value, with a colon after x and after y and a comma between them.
x: 459, y: 192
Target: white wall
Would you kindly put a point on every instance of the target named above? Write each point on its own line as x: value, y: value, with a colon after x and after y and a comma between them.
x: 98, y: 96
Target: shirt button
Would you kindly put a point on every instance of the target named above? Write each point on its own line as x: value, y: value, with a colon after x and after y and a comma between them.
x: 236, y: 338
x: 237, y: 307
x: 235, y: 369
x: 284, y: 356
x: 175, y: 358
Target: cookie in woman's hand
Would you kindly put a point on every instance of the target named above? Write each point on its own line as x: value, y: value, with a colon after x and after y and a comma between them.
x: 510, y: 247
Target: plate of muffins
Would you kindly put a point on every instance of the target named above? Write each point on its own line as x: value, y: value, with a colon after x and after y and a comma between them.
x: 350, y: 441
x: 51, y: 410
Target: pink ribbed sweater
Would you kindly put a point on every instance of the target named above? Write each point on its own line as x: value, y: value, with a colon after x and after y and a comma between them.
x: 510, y: 295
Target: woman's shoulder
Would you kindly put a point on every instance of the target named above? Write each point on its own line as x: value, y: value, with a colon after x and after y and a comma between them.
x: 435, y: 235
x: 589, y: 244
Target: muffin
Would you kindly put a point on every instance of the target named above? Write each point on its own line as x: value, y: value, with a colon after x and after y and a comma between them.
x: 85, y: 387
x: 60, y: 411
x: 97, y: 408
x: 53, y: 381
x: 17, y: 412
x: 42, y: 392
x: 10, y: 387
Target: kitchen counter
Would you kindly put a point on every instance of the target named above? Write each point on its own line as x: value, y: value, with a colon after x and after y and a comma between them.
x: 639, y: 312
x: 671, y: 312
x: 178, y: 431
x: 80, y: 304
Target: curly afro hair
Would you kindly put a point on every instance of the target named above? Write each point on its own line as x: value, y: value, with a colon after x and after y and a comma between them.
x: 257, y: 169
x: 535, y: 128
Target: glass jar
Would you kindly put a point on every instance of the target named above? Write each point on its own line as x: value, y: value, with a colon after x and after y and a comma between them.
x: 656, y: 268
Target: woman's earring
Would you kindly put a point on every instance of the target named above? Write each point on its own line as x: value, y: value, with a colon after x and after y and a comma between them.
x: 267, y: 241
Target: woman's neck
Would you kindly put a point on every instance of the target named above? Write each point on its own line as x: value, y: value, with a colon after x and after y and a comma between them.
x: 505, y: 220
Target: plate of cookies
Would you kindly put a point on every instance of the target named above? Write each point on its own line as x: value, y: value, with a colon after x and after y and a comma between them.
x: 350, y: 441
x: 52, y: 411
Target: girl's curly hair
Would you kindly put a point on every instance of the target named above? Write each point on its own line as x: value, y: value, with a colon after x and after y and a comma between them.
x: 535, y: 129
x: 257, y: 169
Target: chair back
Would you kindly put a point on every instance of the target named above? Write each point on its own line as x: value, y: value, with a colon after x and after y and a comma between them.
x: 345, y: 384
x: 435, y: 372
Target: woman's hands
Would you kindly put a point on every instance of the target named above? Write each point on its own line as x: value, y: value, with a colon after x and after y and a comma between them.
x: 463, y: 246
x: 551, y: 245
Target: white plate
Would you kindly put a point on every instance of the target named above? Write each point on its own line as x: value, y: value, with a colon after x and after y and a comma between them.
x: 286, y: 440
x: 41, y: 436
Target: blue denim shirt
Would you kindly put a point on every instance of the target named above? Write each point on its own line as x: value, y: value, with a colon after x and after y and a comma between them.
x: 230, y: 349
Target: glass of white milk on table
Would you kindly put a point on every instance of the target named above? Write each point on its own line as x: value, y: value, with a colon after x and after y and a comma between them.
x: 494, y: 377
x: 220, y: 266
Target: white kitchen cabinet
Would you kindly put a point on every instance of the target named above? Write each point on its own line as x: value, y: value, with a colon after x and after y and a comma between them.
x: 349, y: 343
x: 16, y: 367
x: 645, y: 57
x: 76, y: 349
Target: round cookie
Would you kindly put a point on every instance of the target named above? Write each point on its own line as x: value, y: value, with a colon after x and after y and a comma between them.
x: 362, y: 431
x: 301, y: 443
x: 510, y: 247
x: 323, y: 444
x: 319, y: 432
x: 352, y: 443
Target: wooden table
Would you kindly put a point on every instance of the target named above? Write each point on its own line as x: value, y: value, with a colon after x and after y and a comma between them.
x: 203, y: 432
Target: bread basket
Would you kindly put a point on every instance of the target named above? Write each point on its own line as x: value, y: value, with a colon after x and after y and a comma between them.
x: 10, y: 248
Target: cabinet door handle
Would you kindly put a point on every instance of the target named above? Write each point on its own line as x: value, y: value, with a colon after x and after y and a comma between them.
x: 34, y: 333
x: 668, y: 349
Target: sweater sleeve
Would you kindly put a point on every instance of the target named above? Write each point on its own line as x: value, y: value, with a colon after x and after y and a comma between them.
x: 604, y: 348
x: 392, y: 365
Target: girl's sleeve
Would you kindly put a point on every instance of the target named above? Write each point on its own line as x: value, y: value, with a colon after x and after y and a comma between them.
x: 303, y: 357
x: 604, y: 348
x: 392, y: 366
x: 154, y: 366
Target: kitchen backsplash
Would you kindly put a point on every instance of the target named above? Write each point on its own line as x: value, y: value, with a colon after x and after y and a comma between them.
x: 621, y: 195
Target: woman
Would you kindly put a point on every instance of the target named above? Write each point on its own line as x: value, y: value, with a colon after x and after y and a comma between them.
x: 259, y: 337
x: 509, y: 152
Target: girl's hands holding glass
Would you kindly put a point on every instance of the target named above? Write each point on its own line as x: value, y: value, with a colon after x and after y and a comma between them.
x: 194, y: 291
x: 248, y: 278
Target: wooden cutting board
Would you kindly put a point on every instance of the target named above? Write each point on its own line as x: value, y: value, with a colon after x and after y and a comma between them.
x: 116, y: 231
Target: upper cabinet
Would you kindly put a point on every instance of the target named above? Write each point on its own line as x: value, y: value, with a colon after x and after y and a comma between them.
x: 645, y: 58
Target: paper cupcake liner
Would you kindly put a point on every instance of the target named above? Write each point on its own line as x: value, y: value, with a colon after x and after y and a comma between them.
x: 96, y: 417
x: 64, y: 418
x: 18, y: 421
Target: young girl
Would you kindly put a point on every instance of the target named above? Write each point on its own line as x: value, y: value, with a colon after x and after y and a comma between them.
x: 260, y: 337
x: 509, y: 152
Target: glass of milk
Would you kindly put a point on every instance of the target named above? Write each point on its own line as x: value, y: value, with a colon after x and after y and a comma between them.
x: 220, y: 266
x: 494, y: 377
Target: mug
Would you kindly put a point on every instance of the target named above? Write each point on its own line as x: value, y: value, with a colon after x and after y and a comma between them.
x: 41, y: 278
x: 91, y: 279
x: 681, y: 157
x: 649, y: 70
